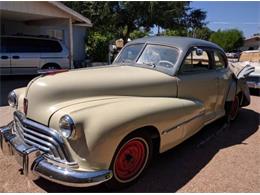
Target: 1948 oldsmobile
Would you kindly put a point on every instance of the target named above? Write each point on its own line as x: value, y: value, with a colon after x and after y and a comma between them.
x: 84, y: 127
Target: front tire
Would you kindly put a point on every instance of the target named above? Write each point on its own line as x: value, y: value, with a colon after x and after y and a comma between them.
x: 130, y: 160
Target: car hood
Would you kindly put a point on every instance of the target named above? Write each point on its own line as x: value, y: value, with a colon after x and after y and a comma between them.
x: 50, y: 93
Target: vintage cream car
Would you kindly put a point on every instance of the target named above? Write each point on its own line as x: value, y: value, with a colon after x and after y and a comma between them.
x: 84, y: 127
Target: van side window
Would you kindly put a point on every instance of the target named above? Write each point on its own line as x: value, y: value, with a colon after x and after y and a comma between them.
x: 28, y: 45
x: 3, y: 45
x: 219, y: 60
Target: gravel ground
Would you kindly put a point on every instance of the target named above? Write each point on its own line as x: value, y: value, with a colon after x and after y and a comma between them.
x: 216, y: 159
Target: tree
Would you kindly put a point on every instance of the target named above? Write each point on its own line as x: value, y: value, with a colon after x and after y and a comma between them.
x: 202, y: 33
x: 123, y: 19
x: 228, y: 39
x: 182, y: 32
x: 195, y: 20
x: 138, y: 34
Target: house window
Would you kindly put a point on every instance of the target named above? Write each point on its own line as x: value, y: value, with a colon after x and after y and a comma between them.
x: 56, y: 33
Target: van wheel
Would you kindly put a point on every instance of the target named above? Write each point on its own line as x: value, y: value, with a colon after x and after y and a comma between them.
x: 131, y: 158
x: 51, y: 66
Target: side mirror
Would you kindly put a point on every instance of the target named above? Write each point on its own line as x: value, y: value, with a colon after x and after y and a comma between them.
x: 199, y: 52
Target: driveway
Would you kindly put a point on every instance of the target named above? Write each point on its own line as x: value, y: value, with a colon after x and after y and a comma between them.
x: 217, y: 159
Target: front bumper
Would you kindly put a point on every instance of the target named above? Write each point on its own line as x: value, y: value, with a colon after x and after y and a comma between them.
x: 35, y: 164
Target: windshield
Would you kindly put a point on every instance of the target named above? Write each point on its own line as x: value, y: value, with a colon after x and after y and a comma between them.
x: 152, y: 55
x: 130, y: 53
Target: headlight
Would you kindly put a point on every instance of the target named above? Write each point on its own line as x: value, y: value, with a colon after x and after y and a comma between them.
x: 12, y: 99
x: 67, y: 126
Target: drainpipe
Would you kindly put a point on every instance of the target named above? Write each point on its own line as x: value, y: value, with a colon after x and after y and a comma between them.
x: 70, y: 42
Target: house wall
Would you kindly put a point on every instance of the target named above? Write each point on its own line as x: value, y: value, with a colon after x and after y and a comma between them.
x: 252, y: 43
x: 39, y: 8
x: 9, y: 27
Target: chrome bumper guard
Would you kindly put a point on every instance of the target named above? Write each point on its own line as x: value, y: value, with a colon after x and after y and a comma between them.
x: 35, y: 165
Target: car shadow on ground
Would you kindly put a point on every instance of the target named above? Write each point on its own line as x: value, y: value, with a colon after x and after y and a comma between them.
x: 171, y: 170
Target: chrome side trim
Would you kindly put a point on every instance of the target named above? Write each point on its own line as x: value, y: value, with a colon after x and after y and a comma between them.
x: 181, y: 123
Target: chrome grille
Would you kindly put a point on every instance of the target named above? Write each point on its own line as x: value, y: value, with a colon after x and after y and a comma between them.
x: 47, y: 140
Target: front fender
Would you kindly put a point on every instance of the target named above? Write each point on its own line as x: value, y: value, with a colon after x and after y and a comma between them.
x: 101, y: 126
x: 20, y: 93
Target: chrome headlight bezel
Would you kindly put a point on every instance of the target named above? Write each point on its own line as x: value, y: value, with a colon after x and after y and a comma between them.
x: 12, y: 99
x: 67, y: 126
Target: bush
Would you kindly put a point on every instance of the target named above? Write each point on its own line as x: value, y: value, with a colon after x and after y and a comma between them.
x: 97, y: 46
x: 228, y: 39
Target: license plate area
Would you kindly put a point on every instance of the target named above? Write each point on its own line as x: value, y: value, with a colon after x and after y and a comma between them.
x: 20, y: 158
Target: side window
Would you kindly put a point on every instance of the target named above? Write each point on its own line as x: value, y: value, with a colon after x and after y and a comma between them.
x: 3, y: 45
x: 50, y: 46
x: 196, y: 61
x: 219, y: 60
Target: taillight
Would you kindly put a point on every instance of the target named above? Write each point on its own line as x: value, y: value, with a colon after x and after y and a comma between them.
x: 25, y: 106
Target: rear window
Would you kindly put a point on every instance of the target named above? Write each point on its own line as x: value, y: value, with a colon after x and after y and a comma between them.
x: 24, y: 45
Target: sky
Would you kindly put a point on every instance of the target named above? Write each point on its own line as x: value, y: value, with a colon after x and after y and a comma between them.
x: 243, y: 15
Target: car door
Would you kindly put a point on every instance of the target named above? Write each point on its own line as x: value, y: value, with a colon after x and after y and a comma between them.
x: 25, y: 56
x: 5, y: 61
x: 223, y: 77
x: 198, y: 80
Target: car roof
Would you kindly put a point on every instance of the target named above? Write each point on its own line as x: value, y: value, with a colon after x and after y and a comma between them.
x: 183, y: 43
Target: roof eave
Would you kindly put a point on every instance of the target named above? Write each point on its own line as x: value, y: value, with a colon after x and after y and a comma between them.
x: 84, y: 21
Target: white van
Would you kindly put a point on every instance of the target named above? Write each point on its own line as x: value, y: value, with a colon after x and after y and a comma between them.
x: 28, y: 54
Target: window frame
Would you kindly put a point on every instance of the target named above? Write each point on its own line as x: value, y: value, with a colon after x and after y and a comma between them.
x: 223, y: 56
x: 211, y: 60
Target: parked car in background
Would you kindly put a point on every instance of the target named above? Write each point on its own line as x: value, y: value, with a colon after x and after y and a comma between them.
x: 233, y: 54
x: 252, y: 58
x: 28, y: 54
x: 84, y: 127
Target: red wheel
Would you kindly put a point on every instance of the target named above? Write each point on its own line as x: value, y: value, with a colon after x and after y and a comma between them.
x: 131, y: 158
x: 234, y: 108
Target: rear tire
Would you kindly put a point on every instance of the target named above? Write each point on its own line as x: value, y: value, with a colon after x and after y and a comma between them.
x: 131, y: 158
x: 232, y: 109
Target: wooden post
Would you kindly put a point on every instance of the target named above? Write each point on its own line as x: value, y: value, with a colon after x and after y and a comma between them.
x: 70, y: 42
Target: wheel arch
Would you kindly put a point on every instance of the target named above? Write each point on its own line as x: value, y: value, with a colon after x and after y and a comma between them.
x: 51, y: 64
x: 152, y: 132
